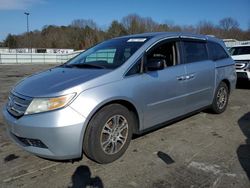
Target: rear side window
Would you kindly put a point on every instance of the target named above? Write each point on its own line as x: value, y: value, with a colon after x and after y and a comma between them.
x: 195, y: 51
x: 216, y: 51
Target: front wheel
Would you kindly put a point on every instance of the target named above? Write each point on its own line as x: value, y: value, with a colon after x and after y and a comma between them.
x: 108, y: 134
x: 220, y: 99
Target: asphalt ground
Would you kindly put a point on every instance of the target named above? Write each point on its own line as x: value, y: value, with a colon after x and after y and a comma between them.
x: 203, y: 150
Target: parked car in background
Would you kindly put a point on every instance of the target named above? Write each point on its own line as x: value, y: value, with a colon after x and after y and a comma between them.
x: 241, y: 56
x: 95, y: 102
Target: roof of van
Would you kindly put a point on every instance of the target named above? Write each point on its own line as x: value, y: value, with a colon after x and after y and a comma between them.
x: 161, y: 35
x: 171, y: 34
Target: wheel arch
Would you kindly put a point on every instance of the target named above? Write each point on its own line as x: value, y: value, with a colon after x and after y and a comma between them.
x: 129, y: 105
x: 122, y: 102
x: 226, y: 81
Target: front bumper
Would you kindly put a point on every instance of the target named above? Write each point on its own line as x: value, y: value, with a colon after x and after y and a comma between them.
x: 61, y: 131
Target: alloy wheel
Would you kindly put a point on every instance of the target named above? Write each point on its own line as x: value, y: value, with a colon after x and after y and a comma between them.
x: 114, y: 134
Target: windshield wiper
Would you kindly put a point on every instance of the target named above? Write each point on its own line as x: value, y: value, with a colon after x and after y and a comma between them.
x: 84, y: 65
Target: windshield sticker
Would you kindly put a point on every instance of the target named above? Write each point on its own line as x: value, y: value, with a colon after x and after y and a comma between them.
x: 137, y: 40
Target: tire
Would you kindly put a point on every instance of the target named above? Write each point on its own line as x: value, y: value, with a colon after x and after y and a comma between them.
x: 108, y: 134
x: 220, y: 100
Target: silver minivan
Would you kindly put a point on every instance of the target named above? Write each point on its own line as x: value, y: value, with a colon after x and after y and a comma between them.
x: 94, y: 103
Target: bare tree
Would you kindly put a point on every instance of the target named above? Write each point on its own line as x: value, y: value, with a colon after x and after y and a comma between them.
x: 116, y: 29
x: 150, y: 24
x: 133, y: 24
x: 207, y: 28
x: 10, y: 41
x: 162, y: 27
x: 82, y: 23
x: 188, y: 28
x: 81, y: 33
x: 228, y: 24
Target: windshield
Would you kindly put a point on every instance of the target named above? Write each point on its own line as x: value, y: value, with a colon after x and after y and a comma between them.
x: 242, y: 50
x: 107, y: 55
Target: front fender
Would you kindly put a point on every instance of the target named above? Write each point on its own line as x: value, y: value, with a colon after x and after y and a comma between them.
x: 90, y: 101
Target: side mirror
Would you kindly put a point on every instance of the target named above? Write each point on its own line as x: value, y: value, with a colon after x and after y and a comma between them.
x: 155, y: 64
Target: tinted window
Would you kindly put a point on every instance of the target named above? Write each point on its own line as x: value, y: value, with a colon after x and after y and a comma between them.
x: 240, y: 50
x: 195, y: 51
x: 216, y: 52
x: 165, y: 51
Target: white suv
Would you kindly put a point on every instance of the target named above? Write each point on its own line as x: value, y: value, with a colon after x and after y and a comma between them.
x: 241, y: 56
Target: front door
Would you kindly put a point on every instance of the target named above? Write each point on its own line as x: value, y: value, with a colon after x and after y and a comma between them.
x: 163, y: 90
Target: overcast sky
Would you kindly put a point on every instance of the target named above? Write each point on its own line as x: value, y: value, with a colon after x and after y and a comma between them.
x: 62, y: 12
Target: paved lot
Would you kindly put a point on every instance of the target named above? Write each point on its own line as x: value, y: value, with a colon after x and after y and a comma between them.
x: 204, y: 150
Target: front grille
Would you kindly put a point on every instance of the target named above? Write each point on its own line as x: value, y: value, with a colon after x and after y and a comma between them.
x: 17, y: 104
x: 31, y: 142
x: 240, y: 64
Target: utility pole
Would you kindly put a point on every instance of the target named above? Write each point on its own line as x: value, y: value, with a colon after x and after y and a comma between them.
x: 28, y: 33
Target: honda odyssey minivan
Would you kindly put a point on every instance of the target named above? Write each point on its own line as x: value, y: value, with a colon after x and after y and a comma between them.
x: 93, y: 103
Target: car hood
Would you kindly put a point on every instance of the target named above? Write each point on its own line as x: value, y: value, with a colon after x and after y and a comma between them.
x: 241, y: 57
x: 55, y: 81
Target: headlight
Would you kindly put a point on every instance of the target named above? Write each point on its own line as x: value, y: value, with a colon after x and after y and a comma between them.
x: 47, y: 104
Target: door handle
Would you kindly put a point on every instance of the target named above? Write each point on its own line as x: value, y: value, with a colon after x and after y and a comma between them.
x: 188, y: 77
x: 191, y: 76
x: 180, y: 78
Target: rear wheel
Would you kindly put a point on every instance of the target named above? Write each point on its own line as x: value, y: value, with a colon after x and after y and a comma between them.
x: 108, y: 134
x: 220, y: 99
